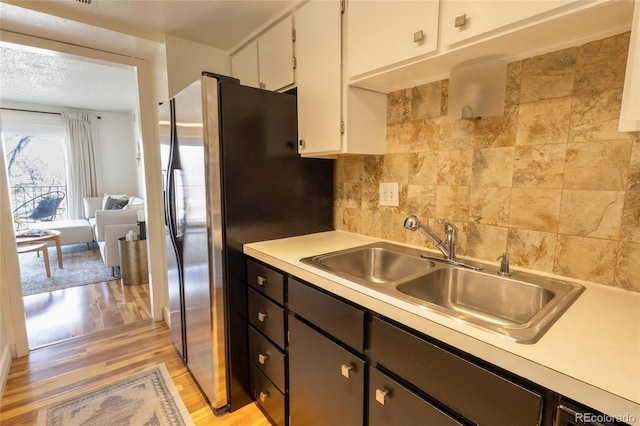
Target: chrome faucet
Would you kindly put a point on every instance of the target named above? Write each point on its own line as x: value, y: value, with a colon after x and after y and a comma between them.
x: 448, y: 247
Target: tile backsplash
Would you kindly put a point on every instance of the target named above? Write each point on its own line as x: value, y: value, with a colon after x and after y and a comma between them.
x: 551, y: 181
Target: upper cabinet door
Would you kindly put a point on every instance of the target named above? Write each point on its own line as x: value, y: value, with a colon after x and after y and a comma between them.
x: 244, y: 65
x: 630, y: 108
x: 319, y: 77
x: 465, y: 19
x: 384, y: 33
x: 275, y: 56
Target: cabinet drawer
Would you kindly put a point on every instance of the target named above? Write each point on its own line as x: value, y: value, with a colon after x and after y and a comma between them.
x: 337, y: 318
x: 267, y: 357
x: 267, y: 396
x: 267, y: 317
x: 326, y: 382
x: 266, y: 280
x: 459, y: 384
x: 392, y: 404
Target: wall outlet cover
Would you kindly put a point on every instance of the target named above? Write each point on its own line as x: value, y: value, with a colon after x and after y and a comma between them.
x: 389, y: 194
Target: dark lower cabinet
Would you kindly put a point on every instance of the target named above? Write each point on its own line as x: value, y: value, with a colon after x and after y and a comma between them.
x: 270, y: 399
x: 391, y: 404
x: 326, y: 382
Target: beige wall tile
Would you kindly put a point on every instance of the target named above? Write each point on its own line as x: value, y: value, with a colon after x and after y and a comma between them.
x: 588, y: 259
x: 601, y: 64
x: 423, y: 168
x: 531, y: 249
x: 456, y: 134
x: 490, y: 206
x: 492, y: 167
x: 496, y: 132
x: 352, y: 193
x: 539, y: 166
x: 628, y: 266
x: 631, y: 217
x: 399, y: 106
x: 595, y: 117
x: 512, y: 92
x: 395, y: 168
x: 426, y: 101
x: 549, y: 76
x: 454, y: 167
x: 634, y: 169
x: 597, y: 166
x: 535, y: 209
x: 421, y: 200
x: 596, y: 214
x: 452, y: 202
x: 544, y: 122
x: 486, y: 241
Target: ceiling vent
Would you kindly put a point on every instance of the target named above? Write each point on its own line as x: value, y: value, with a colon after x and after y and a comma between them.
x: 477, y: 88
x: 84, y: 1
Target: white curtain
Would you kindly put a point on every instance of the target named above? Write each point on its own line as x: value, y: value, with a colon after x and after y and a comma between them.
x: 81, y: 147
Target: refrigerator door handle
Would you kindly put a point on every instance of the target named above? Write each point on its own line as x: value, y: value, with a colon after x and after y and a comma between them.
x: 176, y: 202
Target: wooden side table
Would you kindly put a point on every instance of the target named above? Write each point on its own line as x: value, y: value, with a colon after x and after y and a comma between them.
x: 43, y: 247
x: 49, y: 235
x: 133, y: 261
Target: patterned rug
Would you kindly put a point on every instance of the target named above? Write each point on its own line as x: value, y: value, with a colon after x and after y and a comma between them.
x: 81, y: 267
x: 146, y: 398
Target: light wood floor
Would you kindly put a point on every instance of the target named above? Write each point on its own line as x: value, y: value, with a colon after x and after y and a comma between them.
x: 58, y: 371
x: 78, y: 311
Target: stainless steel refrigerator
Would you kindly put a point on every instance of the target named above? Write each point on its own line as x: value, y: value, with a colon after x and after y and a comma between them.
x: 233, y: 176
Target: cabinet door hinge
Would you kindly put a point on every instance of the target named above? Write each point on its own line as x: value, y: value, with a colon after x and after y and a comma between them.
x: 342, y: 126
x: 343, y: 4
x: 293, y: 34
x: 295, y: 63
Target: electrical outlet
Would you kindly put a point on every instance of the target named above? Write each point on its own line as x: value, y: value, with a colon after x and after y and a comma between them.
x: 389, y: 194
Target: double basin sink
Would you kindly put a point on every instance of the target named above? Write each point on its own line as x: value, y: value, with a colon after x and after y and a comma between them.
x: 520, y: 307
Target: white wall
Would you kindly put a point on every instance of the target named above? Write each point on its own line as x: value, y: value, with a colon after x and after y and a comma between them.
x: 186, y: 60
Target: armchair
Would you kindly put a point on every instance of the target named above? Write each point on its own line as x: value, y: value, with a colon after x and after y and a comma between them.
x: 112, y: 225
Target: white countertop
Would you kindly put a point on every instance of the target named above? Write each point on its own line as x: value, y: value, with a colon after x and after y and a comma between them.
x: 591, y: 354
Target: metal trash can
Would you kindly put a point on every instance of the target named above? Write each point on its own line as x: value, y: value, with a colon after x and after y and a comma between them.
x: 133, y: 261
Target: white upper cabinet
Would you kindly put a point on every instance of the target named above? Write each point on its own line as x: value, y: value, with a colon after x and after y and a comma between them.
x: 319, y: 69
x: 244, y: 65
x: 465, y: 19
x: 630, y: 108
x: 332, y: 117
x: 275, y: 56
x: 381, y: 33
x: 268, y: 61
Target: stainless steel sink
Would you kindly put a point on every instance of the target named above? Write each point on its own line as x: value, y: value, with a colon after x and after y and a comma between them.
x: 520, y: 308
x: 379, y: 263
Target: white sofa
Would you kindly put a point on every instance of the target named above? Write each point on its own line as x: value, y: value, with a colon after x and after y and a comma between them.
x: 110, y: 225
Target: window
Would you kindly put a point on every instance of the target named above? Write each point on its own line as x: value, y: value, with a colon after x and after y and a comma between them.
x: 37, y: 177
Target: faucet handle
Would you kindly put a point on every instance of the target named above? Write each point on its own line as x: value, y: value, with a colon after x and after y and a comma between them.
x: 504, y: 264
x: 449, y: 228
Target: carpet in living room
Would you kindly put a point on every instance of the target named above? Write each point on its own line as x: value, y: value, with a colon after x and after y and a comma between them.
x: 81, y: 266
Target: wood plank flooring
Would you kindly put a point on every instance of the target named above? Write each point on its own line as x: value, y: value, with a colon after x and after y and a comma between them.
x: 119, y: 339
x: 78, y: 311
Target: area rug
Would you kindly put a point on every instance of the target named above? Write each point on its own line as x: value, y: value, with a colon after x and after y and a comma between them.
x: 146, y: 398
x: 80, y: 267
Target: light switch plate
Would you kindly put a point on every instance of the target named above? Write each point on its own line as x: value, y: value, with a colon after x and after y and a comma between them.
x: 389, y: 194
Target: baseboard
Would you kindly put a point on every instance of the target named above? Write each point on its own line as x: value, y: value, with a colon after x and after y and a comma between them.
x: 5, y: 365
x: 166, y: 316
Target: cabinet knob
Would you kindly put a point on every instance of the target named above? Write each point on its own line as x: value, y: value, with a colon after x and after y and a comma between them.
x: 346, y: 370
x: 302, y: 144
x: 263, y: 396
x: 381, y: 395
x: 262, y: 85
x: 262, y: 316
x: 461, y: 20
x: 262, y: 358
x: 418, y: 36
x: 261, y: 280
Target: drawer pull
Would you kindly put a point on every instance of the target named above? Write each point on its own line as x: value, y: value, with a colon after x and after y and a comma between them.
x: 262, y: 358
x: 262, y: 316
x: 418, y: 36
x: 346, y: 370
x: 261, y: 280
x: 263, y: 396
x: 381, y: 395
x: 460, y: 21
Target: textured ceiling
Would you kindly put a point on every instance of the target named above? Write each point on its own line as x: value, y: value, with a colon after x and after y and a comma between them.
x: 129, y: 27
x: 27, y: 76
